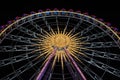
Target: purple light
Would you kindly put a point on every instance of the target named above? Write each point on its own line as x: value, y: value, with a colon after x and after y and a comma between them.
x: 93, y: 16
x: 32, y: 12
x: 9, y: 22
x: 42, y: 72
x: 78, y: 11
x: 74, y: 63
x: 115, y: 29
x: 16, y: 18
x: 40, y: 10
x: 71, y: 10
x: 55, y: 9
x: 25, y: 15
x: 100, y: 19
x: 48, y: 9
x: 63, y: 9
x: 85, y: 13
x: 108, y: 24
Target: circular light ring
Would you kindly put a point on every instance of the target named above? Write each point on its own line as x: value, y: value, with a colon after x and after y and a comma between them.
x: 38, y: 15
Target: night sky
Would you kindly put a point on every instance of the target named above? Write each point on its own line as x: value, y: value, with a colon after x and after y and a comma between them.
x: 106, y: 9
x: 109, y: 10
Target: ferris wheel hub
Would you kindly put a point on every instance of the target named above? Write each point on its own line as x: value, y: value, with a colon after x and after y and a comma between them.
x: 61, y: 40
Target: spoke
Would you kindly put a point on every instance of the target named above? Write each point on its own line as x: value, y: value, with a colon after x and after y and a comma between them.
x: 50, y: 76
x: 28, y: 32
x: 34, y: 75
x: 57, y: 23
x: 66, y: 25
x: 94, y: 36
x: 63, y: 75
x: 46, y: 23
x: 102, y: 66
x: 18, y: 58
x: 71, y: 70
x: 21, y: 39
x: 21, y: 70
x: 38, y: 28
x: 77, y: 26
x: 88, y: 71
x: 101, y: 54
x: 86, y: 30
x: 100, y: 45
x: 17, y: 48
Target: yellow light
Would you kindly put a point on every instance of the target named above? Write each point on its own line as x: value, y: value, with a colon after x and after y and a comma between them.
x: 60, y: 40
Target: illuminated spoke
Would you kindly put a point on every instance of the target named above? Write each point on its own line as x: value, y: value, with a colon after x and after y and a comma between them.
x: 66, y: 26
x: 63, y: 75
x: 100, y: 45
x: 92, y: 74
x: 21, y: 70
x: 94, y: 36
x: 105, y: 55
x: 86, y: 30
x: 17, y: 48
x: 18, y: 58
x: 46, y: 23
x: 71, y: 71
x: 38, y: 28
x: 28, y: 32
x: 77, y: 26
x: 35, y: 74
x: 57, y: 23
x: 21, y: 39
x: 102, y: 66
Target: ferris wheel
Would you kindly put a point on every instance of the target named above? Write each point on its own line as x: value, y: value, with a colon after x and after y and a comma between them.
x: 59, y: 45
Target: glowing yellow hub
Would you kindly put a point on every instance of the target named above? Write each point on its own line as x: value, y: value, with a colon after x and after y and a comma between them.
x: 60, y: 40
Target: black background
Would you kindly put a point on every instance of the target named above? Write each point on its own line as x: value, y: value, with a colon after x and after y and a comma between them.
x: 107, y: 9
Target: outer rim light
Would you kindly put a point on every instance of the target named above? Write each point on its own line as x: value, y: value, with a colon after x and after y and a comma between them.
x: 61, y: 11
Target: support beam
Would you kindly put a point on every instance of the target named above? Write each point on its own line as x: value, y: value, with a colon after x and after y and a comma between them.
x: 49, y: 73
x: 71, y: 71
x: 101, y: 65
x: 86, y: 30
x: 21, y: 70
x: 46, y: 23
x: 75, y: 65
x: 77, y: 26
x: 18, y: 58
x: 100, y: 45
x: 17, y: 48
x: 105, y: 55
x: 42, y: 72
x: 93, y: 36
x: 28, y: 32
x: 89, y: 72
x: 37, y: 27
x: 21, y: 39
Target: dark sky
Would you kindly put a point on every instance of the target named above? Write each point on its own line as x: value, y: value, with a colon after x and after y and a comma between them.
x: 106, y: 9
